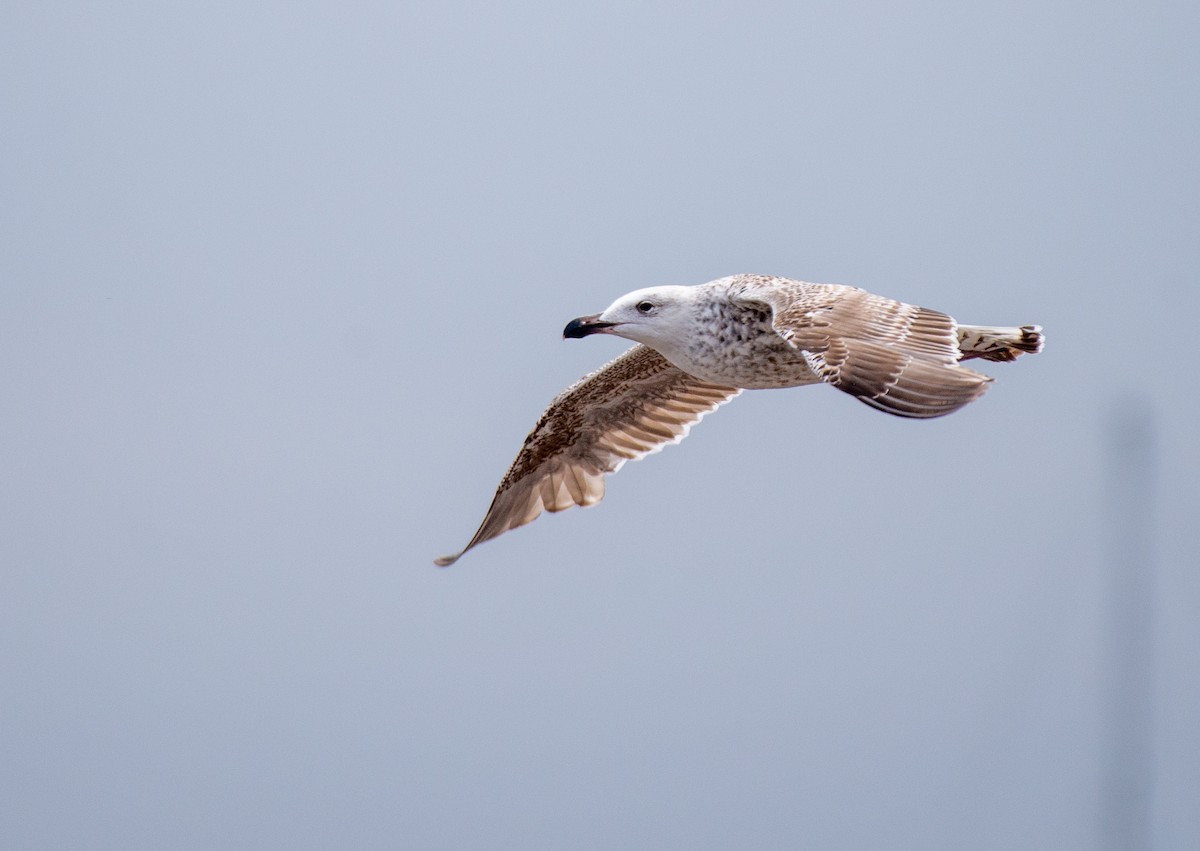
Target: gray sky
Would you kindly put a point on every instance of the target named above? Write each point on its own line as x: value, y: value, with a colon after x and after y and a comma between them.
x: 281, y: 291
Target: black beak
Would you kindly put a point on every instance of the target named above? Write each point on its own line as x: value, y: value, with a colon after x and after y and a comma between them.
x: 585, y: 325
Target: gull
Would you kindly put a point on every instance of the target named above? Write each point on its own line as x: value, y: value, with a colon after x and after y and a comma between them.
x: 700, y: 346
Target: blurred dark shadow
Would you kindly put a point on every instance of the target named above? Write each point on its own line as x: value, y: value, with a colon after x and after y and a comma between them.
x: 1129, y: 624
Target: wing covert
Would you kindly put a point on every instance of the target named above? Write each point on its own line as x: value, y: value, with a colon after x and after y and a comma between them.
x: 893, y: 356
x: 634, y: 405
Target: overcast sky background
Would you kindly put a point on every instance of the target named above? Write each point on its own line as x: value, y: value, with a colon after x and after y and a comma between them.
x: 281, y: 292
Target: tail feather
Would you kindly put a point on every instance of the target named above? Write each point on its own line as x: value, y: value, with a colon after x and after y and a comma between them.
x: 999, y: 343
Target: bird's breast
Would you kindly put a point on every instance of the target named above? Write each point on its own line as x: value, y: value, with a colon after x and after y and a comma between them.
x: 737, y: 345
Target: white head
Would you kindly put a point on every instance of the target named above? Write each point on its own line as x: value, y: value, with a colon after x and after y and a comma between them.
x: 660, y: 317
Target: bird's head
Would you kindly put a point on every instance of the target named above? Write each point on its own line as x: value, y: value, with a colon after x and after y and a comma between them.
x: 657, y: 316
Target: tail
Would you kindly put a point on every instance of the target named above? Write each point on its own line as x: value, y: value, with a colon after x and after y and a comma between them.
x: 999, y: 344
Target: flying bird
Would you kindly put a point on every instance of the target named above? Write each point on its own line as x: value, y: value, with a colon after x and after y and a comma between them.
x: 700, y: 346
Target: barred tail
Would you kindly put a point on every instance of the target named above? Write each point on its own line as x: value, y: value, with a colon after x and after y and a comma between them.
x: 998, y: 343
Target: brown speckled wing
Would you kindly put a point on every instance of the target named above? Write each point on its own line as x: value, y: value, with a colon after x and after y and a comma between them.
x: 635, y: 405
x: 893, y: 356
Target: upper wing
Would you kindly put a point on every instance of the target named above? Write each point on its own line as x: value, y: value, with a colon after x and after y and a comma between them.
x: 896, y: 357
x: 633, y: 406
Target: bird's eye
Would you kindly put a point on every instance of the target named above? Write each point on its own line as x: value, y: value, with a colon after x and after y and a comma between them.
x: 645, y: 306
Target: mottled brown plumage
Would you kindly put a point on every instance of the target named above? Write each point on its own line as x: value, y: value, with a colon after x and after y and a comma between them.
x: 700, y: 346
x: 893, y: 356
x: 635, y: 405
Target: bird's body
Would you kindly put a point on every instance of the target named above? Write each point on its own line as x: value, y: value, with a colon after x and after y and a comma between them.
x: 730, y: 340
x: 702, y: 345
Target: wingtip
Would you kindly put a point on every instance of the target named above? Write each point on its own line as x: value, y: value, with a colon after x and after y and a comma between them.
x: 446, y: 561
